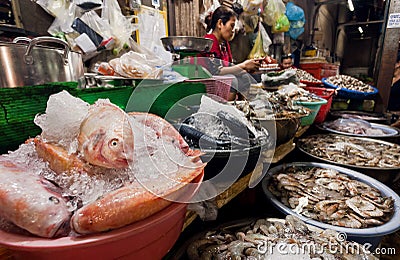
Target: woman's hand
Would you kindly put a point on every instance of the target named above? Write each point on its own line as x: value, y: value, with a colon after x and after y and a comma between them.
x: 250, y: 66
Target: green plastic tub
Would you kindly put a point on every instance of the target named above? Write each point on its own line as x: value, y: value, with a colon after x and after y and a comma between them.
x: 314, y: 107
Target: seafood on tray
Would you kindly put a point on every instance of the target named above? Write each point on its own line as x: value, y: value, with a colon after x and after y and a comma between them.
x: 355, y: 126
x: 125, y: 167
x: 331, y: 197
x: 352, y: 150
x: 348, y: 82
x: 272, y: 238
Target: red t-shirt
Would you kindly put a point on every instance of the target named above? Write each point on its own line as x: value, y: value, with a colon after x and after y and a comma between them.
x: 220, y: 51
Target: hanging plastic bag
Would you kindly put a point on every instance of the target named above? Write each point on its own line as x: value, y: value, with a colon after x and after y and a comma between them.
x: 294, y: 12
x: 250, y: 7
x: 272, y: 12
x: 54, y: 7
x: 265, y: 37
x: 62, y: 23
x: 261, y: 44
x: 121, y: 26
x: 294, y: 33
x: 94, y: 21
x: 282, y: 24
x: 295, y: 15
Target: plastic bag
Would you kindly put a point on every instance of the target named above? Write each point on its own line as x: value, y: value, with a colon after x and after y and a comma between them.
x: 282, y: 24
x: 96, y: 23
x: 294, y: 13
x: 273, y: 10
x: 135, y: 65
x: 62, y: 23
x: 294, y: 33
x: 121, y: 26
x: 250, y: 7
x: 261, y: 44
x: 54, y: 7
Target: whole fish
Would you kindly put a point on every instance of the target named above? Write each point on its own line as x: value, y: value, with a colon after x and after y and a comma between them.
x: 144, y: 197
x: 30, y: 202
x: 106, y: 137
x: 132, y: 203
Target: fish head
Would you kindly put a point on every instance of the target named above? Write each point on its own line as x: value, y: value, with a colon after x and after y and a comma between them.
x: 110, y: 148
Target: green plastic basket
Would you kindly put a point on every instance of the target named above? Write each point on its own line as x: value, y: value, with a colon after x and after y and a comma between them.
x: 19, y: 107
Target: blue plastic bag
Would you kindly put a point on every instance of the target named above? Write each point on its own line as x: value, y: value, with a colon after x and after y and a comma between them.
x: 294, y: 33
x: 294, y: 12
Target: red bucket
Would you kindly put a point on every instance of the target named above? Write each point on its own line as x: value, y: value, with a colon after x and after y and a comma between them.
x: 327, y: 94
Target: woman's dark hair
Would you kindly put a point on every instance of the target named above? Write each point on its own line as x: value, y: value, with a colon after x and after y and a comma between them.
x: 224, y: 13
x: 286, y: 56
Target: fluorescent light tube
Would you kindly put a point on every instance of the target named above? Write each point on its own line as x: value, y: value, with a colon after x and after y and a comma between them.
x: 351, y: 6
x: 360, y: 29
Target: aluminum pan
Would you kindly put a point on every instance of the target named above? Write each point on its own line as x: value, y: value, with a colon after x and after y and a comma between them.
x: 391, y: 131
x: 387, y: 228
x: 300, y: 147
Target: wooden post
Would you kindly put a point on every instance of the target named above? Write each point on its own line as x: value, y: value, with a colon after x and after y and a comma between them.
x: 385, y: 65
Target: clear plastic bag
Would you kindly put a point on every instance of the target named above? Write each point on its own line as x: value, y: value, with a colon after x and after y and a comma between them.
x: 251, y: 7
x: 62, y: 23
x: 54, y: 7
x: 261, y: 44
x: 273, y: 10
x: 121, y: 26
x: 97, y: 23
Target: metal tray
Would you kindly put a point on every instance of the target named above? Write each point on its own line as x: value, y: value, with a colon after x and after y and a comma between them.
x: 367, y: 116
x: 390, y: 131
x: 300, y: 143
x: 356, y: 234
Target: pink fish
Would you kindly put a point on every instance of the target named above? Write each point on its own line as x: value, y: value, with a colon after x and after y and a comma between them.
x: 106, y: 137
x: 135, y: 201
x: 30, y: 202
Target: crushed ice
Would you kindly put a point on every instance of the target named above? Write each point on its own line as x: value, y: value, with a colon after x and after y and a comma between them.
x: 154, y: 155
x: 64, y: 115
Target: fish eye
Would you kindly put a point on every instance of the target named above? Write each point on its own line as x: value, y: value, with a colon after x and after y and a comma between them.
x: 114, y: 142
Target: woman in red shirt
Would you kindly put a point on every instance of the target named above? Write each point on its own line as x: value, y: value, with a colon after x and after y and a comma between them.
x: 222, y: 24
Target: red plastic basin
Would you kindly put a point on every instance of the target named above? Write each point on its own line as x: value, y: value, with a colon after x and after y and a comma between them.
x: 150, y: 238
x: 327, y: 94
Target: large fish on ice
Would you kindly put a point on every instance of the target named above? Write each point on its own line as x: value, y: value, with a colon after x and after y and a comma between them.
x: 30, y: 202
x: 145, y: 197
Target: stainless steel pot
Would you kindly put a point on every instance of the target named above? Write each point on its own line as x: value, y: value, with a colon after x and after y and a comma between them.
x: 26, y: 62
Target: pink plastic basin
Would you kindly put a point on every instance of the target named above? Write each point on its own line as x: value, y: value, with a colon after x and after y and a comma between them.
x: 150, y: 238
